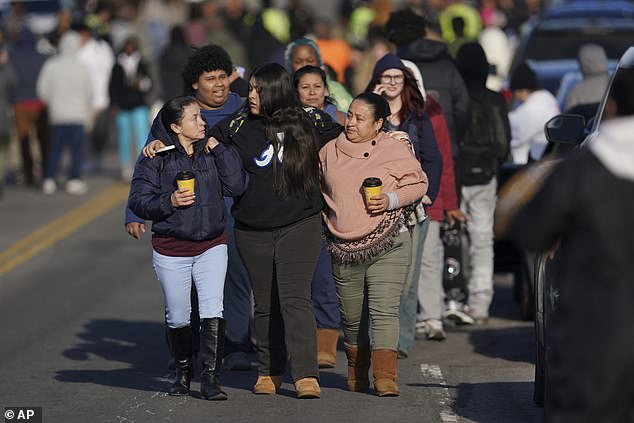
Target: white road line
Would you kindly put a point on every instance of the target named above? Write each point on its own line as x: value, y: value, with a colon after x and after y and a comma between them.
x: 432, y: 371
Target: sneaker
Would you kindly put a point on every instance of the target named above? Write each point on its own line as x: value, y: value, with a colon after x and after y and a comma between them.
x: 421, y: 327
x: 434, y: 330
x: 49, y: 186
x: 76, y: 187
x: 236, y: 361
x: 455, y: 312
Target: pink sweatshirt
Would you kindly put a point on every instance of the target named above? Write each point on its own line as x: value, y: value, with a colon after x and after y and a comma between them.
x: 344, y: 166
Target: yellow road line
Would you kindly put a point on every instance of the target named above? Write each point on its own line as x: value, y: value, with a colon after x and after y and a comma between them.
x: 47, y: 235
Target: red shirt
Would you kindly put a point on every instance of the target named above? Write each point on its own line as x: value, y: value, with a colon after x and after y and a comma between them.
x: 179, y: 247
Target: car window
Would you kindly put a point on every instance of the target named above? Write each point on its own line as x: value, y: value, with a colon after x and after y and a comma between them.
x: 565, y: 44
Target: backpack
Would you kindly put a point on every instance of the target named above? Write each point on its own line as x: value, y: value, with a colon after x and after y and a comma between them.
x: 483, y: 144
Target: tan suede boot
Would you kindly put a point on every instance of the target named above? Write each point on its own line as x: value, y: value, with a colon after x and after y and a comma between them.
x: 358, y: 367
x: 384, y: 373
x: 327, y: 347
x: 267, y: 385
x: 307, y: 387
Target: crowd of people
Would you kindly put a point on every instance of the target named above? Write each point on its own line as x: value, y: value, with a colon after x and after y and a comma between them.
x: 276, y: 246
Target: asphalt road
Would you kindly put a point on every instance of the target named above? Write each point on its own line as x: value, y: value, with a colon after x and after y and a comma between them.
x: 81, y: 324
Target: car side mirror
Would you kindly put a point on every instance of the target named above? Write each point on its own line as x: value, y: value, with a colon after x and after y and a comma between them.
x: 566, y: 129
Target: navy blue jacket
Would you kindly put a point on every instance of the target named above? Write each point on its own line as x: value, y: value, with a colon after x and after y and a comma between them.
x: 217, y: 174
x: 421, y: 132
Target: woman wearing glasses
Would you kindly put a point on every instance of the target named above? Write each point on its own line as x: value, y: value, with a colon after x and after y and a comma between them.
x: 392, y: 80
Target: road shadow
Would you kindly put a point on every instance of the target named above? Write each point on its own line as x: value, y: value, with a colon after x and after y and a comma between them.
x: 506, y: 335
x: 479, y: 402
x: 132, y: 355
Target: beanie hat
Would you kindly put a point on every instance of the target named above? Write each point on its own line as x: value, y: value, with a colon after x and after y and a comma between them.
x: 389, y: 61
x: 524, y: 77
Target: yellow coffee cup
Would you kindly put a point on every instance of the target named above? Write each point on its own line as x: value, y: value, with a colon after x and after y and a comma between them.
x: 371, y: 188
x: 185, y: 179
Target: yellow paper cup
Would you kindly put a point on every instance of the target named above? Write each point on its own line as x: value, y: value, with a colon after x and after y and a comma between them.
x: 185, y: 179
x: 371, y: 188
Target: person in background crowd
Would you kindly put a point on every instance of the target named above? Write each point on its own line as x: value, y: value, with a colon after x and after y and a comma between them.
x: 370, y: 246
x: 29, y: 111
x: 206, y: 75
x: 98, y: 57
x: 188, y: 237
x: 304, y: 51
x: 407, y: 30
x: 431, y: 296
x: 527, y: 120
x: 393, y: 80
x: 582, y: 213
x: 66, y: 86
x: 593, y: 63
x: 172, y: 60
x: 310, y: 83
x: 129, y: 83
x: 483, y: 149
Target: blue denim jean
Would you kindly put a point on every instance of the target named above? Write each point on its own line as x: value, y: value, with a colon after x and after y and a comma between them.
x: 409, y: 296
x: 65, y: 135
x: 175, y: 274
x: 324, y: 292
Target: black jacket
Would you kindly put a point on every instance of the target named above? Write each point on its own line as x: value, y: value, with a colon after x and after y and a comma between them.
x: 259, y: 207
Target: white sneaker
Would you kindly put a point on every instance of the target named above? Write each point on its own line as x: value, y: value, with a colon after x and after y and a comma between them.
x: 434, y: 330
x: 76, y: 187
x: 455, y: 312
x: 49, y: 186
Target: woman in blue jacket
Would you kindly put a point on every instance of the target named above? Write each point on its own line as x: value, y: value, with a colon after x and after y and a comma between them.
x: 188, y: 236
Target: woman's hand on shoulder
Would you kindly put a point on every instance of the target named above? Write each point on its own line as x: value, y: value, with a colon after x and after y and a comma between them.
x: 182, y: 197
x: 378, y: 204
x: 151, y: 149
x: 211, y: 144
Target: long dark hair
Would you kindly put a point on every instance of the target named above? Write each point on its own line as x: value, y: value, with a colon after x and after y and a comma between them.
x: 279, y: 106
x: 413, y: 101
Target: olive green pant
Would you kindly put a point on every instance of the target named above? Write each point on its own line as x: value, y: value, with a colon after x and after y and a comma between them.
x: 371, y: 292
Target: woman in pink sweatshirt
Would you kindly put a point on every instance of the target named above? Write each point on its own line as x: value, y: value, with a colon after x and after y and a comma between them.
x: 367, y: 238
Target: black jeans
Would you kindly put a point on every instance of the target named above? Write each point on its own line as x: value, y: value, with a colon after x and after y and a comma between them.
x: 281, y: 263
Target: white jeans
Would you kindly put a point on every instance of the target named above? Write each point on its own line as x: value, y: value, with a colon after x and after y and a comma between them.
x: 478, y: 203
x: 431, y: 295
x: 175, y: 274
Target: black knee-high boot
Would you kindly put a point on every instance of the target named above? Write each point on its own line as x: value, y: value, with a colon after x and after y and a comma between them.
x: 180, y: 341
x: 212, y: 340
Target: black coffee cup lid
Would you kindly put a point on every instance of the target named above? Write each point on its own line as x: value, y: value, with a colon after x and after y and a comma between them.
x: 372, y: 182
x: 185, y: 174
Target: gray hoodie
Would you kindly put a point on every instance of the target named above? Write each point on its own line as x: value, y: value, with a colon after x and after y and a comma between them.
x: 65, y: 84
x: 593, y: 63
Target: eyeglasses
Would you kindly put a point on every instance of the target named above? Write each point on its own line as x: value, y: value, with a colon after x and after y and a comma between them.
x: 396, y: 79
